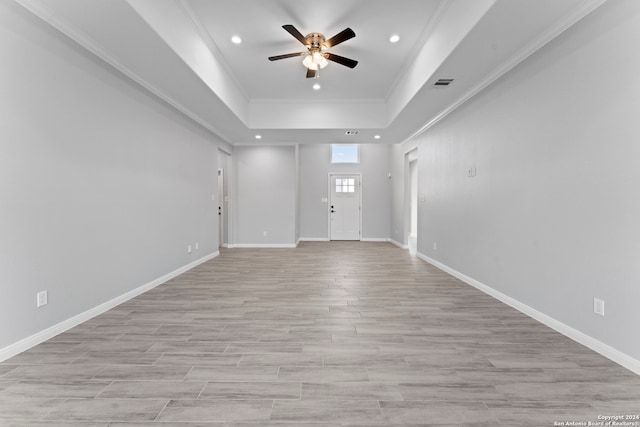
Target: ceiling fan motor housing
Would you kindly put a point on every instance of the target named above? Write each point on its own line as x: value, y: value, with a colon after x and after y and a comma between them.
x: 316, y: 58
x: 315, y: 42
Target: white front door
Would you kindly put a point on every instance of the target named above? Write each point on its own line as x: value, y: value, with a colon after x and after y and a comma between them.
x: 344, y: 207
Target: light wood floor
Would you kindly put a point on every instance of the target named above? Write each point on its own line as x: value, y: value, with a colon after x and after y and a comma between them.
x: 326, y: 335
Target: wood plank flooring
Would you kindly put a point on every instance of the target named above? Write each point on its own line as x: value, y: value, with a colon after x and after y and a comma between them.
x: 325, y: 335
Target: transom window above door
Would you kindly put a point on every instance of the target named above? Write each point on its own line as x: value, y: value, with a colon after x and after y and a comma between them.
x: 344, y: 153
x: 345, y: 185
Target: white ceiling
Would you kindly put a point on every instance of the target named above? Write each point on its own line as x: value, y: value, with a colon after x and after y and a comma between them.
x: 181, y: 50
x: 380, y: 62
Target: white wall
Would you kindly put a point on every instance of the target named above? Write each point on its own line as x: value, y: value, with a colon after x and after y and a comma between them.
x: 552, y: 217
x: 102, y: 187
x: 315, y: 166
x: 264, y: 188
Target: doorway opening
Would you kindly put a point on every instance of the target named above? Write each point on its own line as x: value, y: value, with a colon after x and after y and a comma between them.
x: 223, y: 207
x: 221, y: 210
x: 345, y: 213
x: 412, y: 238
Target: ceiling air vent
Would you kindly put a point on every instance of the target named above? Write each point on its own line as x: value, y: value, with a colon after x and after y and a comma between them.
x: 443, y: 82
x: 351, y: 132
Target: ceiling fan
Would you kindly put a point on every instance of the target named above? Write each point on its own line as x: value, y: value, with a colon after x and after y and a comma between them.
x: 316, y: 56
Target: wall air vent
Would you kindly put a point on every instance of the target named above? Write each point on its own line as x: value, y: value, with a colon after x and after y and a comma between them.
x: 351, y: 132
x: 443, y: 82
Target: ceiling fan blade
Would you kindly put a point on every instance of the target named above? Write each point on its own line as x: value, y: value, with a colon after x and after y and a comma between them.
x: 288, y: 55
x: 295, y: 33
x: 311, y: 74
x: 341, y: 60
x: 340, y: 37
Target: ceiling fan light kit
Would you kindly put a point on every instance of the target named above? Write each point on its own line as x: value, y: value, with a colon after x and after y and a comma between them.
x: 316, y: 57
x: 314, y: 61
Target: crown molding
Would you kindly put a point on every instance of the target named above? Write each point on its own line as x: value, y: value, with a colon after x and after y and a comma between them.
x: 84, y: 41
x: 350, y: 101
x: 213, y: 47
x: 422, y: 40
x: 554, y: 31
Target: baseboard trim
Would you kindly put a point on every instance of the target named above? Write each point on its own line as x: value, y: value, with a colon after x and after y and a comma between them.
x: 364, y: 239
x: 398, y: 244
x: 606, y: 350
x: 44, y: 335
x: 265, y: 245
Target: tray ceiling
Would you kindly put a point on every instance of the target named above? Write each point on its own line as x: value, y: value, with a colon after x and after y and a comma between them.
x: 181, y: 50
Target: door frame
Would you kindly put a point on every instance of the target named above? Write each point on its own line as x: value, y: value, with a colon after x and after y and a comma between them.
x: 357, y: 175
x: 411, y: 198
x: 221, y: 207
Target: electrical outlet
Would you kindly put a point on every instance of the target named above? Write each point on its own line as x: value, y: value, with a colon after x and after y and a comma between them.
x: 197, y: 246
x: 264, y: 233
x: 188, y: 249
x: 435, y: 246
x: 598, y: 306
x: 42, y: 298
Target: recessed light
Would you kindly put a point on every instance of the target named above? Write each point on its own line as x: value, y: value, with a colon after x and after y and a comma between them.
x: 316, y: 86
x: 236, y: 39
x: 258, y: 136
x: 394, y: 38
x: 376, y: 137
